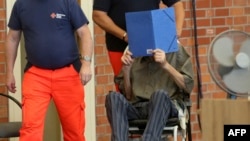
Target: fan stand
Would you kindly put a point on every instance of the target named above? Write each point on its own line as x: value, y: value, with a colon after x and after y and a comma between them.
x: 231, y: 96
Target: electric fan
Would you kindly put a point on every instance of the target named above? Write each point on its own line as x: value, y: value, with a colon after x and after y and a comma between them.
x: 229, y: 62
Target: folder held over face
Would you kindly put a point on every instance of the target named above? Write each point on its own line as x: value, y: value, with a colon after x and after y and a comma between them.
x: 148, y: 30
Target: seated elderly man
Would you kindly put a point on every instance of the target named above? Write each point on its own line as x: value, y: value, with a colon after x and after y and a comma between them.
x: 152, y: 88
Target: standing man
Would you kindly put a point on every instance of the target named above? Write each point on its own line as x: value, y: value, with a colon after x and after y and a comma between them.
x: 56, y: 68
x: 110, y: 16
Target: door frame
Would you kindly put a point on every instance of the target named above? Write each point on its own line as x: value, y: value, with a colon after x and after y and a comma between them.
x: 15, y: 112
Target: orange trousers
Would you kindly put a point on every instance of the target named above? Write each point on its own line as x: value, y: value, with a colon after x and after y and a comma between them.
x: 116, y: 63
x: 65, y: 88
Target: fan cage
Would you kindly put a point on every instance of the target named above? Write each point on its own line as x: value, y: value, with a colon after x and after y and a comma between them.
x: 213, y: 65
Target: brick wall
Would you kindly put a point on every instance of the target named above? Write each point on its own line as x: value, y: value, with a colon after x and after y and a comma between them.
x: 213, y: 17
x: 3, y: 101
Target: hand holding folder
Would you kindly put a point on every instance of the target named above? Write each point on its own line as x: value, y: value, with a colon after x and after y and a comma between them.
x: 148, y: 30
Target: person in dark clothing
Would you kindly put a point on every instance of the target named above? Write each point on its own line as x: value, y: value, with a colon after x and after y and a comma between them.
x: 110, y: 16
x: 54, y: 69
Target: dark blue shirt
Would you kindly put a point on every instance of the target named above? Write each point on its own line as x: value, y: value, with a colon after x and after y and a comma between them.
x: 48, y: 27
x: 116, y: 9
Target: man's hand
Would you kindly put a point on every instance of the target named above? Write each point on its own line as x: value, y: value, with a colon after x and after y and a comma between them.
x: 10, y: 82
x: 85, y: 72
x: 160, y: 56
x: 127, y: 57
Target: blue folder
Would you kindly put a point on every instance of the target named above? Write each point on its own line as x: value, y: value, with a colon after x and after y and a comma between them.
x: 148, y: 30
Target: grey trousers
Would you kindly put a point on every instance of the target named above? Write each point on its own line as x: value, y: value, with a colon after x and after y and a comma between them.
x: 157, y: 110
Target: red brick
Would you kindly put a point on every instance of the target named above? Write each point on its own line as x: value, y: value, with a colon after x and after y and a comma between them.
x: 201, y: 31
x: 240, y: 2
x: 102, y: 60
x: 240, y: 20
x: 99, y: 30
x: 200, y: 13
x: 204, y: 69
x: 99, y: 70
x: 100, y: 99
x: 217, y: 3
x: 3, y: 14
x: 102, y: 79
x: 99, y: 90
x: 101, y: 111
x: 220, y: 30
x: 2, y: 4
x: 99, y: 39
x: 2, y: 47
x: 2, y: 57
x: 222, y: 12
x: 210, y: 12
x: 247, y: 10
x: 186, y: 33
x: 229, y: 3
x: 218, y: 21
x: 236, y: 11
x: 103, y: 138
x: 220, y: 95
x: 203, y: 22
x: 100, y: 50
x: 188, y: 14
x: 202, y: 4
x: 204, y: 40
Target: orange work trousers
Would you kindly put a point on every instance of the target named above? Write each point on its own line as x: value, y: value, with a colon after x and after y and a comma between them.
x: 65, y: 88
x: 116, y: 63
